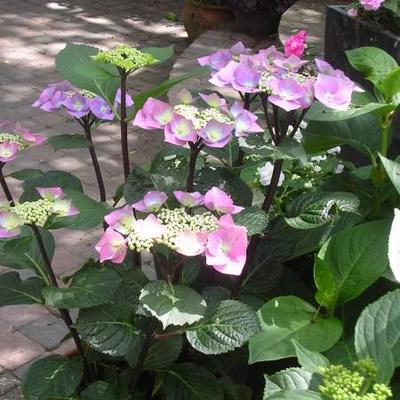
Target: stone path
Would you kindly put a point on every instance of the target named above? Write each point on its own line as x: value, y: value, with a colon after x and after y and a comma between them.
x: 31, y: 34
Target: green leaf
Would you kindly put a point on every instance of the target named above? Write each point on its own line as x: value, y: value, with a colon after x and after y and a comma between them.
x: 189, y: 381
x: 295, y: 395
x: 311, y: 361
x: 68, y: 142
x: 290, y: 148
x: 99, y: 390
x: 23, y: 251
x: 91, y: 213
x: 108, y: 329
x: 372, y: 62
x: 350, y: 262
x: 90, y: 287
x: 163, y: 353
x: 226, y: 326
x: 362, y: 133
x: 161, y: 54
x: 290, y: 379
x: 138, y: 184
x: 14, y: 291
x: 28, y: 173
x: 234, y: 391
x: 172, y: 304
x: 391, y: 5
x: 390, y: 86
x: 393, y: 170
x: 215, y: 294
x: 286, y: 318
x: 52, y: 377
x: 190, y: 271
x: 310, y: 210
x: 377, y: 334
x: 209, y: 176
x: 254, y: 219
x: 165, y: 86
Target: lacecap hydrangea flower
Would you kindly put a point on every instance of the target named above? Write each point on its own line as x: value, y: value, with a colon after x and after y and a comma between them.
x: 77, y: 102
x: 289, y: 81
x: 213, y: 122
x: 16, y: 139
x: 52, y: 203
x: 371, y: 5
x: 210, y: 231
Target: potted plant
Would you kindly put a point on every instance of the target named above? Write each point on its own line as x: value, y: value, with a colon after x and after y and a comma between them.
x: 362, y: 23
x: 259, y: 18
x: 201, y: 15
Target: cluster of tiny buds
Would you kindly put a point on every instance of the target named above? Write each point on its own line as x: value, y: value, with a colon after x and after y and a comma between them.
x: 263, y: 84
x: 12, y: 138
x: 82, y: 92
x: 34, y: 212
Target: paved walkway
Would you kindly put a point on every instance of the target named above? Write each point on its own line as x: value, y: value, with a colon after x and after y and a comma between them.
x: 31, y: 34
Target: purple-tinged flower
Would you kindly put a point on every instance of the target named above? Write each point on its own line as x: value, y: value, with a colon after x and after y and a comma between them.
x: 268, y: 56
x: 51, y: 193
x: 371, y: 5
x: 217, y: 200
x: 184, y: 96
x: 53, y: 96
x: 245, y: 121
x: 334, y: 92
x: 296, y: 44
x: 286, y: 93
x: 100, y: 108
x: 112, y: 246
x: 149, y: 228
x: 8, y: 151
x: 216, y: 134
x: 128, y: 99
x: 224, y: 76
x: 226, y: 247
x: 77, y: 105
x: 291, y: 64
x: 64, y: 208
x: 179, y: 131
x: 352, y: 12
x: 191, y: 244
x: 213, y: 100
x: 217, y: 60
x: 33, y: 138
x: 10, y: 224
x: 189, y: 199
x: 152, y: 201
x: 121, y: 220
x: 154, y: 115
x: 245, y: 79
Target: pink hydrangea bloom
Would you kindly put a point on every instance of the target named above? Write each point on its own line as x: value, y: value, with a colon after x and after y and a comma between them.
x: 213, y: 100
x: 10, y: 224
x: 352, y: 12
x: 112, y: 246
x: 286, y: 93
x: 61, y: 206
x: 216, y: 134
x: 190, y: 243
x: 53, y: 96
x: 149, y: 228
x: 245, y: 121
x: 226, y: 247
x: 152, y: 201
x: 121, y: 220
x: 154, y: 115
x: 189, y: 199
x: 179, y: 131
x: 371, y: 5
x: 296, y: 44
x: 8, y: 151
x: 51, y: 193
x: 217, y: 200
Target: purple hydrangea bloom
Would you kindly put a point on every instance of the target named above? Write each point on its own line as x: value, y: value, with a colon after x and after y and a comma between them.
x: 100, y: 108
x: 216, y: 134
x: 52, y: 97
x: 77, y: 105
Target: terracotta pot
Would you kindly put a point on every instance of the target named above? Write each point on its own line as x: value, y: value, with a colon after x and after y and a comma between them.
x: 198, y: 18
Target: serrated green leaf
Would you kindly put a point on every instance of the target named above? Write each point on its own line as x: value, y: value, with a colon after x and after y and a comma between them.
x: 295, y: 395
x: 226, y: 326
x: 90, y: 287
x: 390, y: 86
x: 99, y: 390
x: 189, y: 381
x: 377, y: 334
x: 190, y: 271
x: 254, y: 219
x: 215, y: 294
x: 68, y: 142
x: 14, y: 291
x: 311, y: 361
x: 393, y: 170
x: 108, y: 329
x: 163, y: 353
x: 52, y: 377
x: 286, y: 318
x: 172, y: 304
x: 290, y: 148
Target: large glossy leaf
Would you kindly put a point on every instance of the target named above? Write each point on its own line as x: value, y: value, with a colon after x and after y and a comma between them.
x: 372, y: 62
x: 108, y: 329
x: 311, y: 361
x: 23, y: 251
x: 172, y: 304
x: 253, y: 218
x: 295, y: 395
x: 393, y: 170
x: 362, y: 133
x: 377, y: 334
x: 99, y: 390
x: 90, y: 287
x: 189, y: 381
x: 390, y: 86
x: 227, y: 325
x: 286, y: 318
x: 350, y: 262
x: 163, y: 353
x: 68, y: 142
x: 14, y: 291
x: 52, y: 377
x: 394, y: 246
x: 311, y: 210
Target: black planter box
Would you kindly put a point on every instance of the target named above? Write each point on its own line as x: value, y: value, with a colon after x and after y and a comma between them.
x: 344, y: 33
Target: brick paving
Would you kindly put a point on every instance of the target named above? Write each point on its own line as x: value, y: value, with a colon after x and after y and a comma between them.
x: 31, y: 34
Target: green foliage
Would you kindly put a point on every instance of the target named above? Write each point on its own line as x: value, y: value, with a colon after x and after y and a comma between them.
x: 254, y: 219
x: 68, y: 142
x: 99, y: 390
x: 227, y: 325
x: 393, y: 170
x: 52, y: 377
x: 286, y: 318
x: 311, y: 361
x: 172, y: 304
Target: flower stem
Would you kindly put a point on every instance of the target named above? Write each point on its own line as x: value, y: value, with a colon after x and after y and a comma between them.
x: 95, y: 161
x: 124, y: 127
x: 4, y: 185
x: 246, y: 105
x: 195, y: 149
